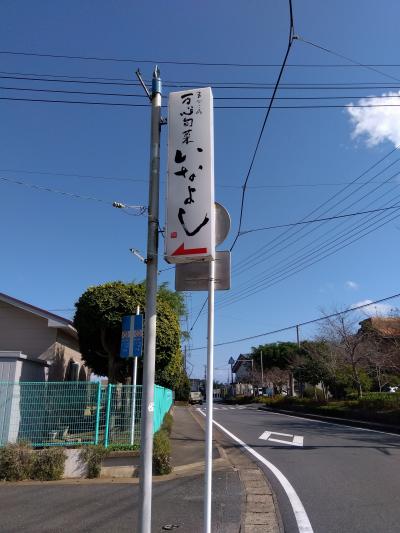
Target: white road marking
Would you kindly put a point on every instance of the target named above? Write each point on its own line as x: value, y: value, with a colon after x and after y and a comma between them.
x: 297, y: 440
x: 302, y: 520
x: 349, y: 426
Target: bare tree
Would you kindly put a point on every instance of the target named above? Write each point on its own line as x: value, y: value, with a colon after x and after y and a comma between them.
x: 383, y: 352
x: 347, y: 346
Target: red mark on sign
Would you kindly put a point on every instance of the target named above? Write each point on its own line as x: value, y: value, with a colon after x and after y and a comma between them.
x: 181, y: 250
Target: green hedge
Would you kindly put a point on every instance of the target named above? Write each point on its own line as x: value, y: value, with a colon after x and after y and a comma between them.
x: 373, y: 406
x: 18, y: 462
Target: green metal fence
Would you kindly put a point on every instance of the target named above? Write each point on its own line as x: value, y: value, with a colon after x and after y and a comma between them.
x: 75, y: 413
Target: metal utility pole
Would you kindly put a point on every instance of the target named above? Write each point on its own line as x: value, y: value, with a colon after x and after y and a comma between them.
x: 146, y: 441
x: 262, y: 370
x: 210, y: 387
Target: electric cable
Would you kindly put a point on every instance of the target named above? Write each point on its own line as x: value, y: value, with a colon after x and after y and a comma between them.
x: 289, y: 46
x: 306, y: 323
x: 140, y: 209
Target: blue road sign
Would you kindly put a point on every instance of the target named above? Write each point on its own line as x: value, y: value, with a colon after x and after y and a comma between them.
x: 125, y: 336
x: 137, y: 335
x: 131, y: 336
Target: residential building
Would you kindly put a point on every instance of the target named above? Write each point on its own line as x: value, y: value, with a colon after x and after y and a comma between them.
x: 37, y: 345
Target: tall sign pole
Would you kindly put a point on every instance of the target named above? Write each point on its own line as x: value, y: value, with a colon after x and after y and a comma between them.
x: 190, y: 235
x: 136, y: 352
x: 210, y: 401
x: 146, y: 441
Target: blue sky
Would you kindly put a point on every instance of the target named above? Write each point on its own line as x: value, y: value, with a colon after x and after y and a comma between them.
x: 54, y: 247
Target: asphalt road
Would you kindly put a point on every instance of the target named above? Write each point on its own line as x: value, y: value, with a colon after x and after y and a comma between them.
x: 347, y: 479
x: 101, y: 508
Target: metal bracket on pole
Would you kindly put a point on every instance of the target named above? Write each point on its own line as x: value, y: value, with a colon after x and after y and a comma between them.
x: 142, y: 83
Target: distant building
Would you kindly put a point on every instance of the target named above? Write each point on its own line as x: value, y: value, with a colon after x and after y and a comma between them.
x: 242, y: 369
x: 383, y: 327
x: 36, y: 345
x: 197, y: 385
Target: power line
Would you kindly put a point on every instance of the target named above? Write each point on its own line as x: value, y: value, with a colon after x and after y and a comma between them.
x: 335, y: 217
x: 224, y: 98
x: 124, y: 104
x: 306, y: 260
x: 279, y: 273
x: 74, y: 175
x: 295, y: 262
x: 102, y: 80
x: 282, y: 242
x: 141, y: 209
x: 312, y: 321
x: 282, y: 68
x: 125, y: 82
x: 354, y: 62
x: 198, y: 314
x: 189, y: 62
x: 64, y: 91
x: 139, y: 180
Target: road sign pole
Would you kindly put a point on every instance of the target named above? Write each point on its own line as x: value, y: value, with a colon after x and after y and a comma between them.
x: 146, y: 440
x: 210, y: 399
x: 262, y: 370
x: 134, y: 381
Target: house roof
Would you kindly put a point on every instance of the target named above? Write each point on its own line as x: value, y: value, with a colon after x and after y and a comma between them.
x: 239, y: 362
x: 54, y: 321
x: 385, y: 326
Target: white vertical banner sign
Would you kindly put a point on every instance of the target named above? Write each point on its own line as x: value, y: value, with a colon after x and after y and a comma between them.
x: 190, y: 229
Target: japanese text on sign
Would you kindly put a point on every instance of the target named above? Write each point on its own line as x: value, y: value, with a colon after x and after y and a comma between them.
x: 190, y: 193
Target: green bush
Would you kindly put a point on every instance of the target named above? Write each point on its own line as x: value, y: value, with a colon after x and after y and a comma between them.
x: 122, y: 447
x: 380, y: 401
x: 167, y: 423
x: 161, y: 453
x: 93, y: 456
x: 48, y: 464
x: 16, y: 462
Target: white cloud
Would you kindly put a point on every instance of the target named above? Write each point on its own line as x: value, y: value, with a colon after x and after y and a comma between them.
x: 377, y: 124
x: 375, y: 309
x: 352, y: 285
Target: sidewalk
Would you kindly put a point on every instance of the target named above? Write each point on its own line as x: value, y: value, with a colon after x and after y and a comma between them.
x: 241, y: 499
x: 187, y: 439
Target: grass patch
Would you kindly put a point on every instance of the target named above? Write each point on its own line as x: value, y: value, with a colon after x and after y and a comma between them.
x: 161, y: 453
x: 167, y: 423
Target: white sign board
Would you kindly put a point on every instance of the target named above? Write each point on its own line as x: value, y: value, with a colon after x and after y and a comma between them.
x: 190, y: 230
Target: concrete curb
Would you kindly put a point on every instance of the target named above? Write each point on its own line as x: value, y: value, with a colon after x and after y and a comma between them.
x: 260, y: 513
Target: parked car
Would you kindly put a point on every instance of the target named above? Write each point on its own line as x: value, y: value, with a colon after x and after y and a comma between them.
x: 196, y: 397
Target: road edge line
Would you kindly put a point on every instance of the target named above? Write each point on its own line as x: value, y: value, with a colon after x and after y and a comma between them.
x: 301, y: 517
x: 324, y: 420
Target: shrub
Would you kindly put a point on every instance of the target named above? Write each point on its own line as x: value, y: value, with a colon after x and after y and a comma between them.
x: 167, y: 423
x: 122, y: 447
x: 15, y: 462
x: 93, y: 456
x: 380, y: 401
x: 161, y: 453
x: 48, y: 464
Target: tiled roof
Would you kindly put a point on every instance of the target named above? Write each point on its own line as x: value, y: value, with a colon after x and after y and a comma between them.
x: 385, y: 326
